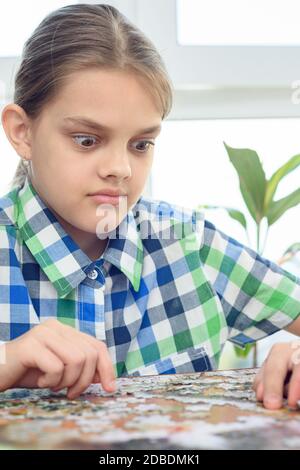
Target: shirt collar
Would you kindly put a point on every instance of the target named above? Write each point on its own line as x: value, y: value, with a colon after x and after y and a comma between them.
x: 59, y: 256
x: 125, y: 249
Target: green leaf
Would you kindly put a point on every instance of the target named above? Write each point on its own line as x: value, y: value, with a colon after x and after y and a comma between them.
x: 275, y: 179
x: 293, y: 249
x: 277, y: 208
x: 234, y: 213
x: 252, y: 179
x: 238, y: 216
x: 245, y: 351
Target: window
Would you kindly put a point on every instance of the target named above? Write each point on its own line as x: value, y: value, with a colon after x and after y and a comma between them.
x: 18, y: 19
x: 238, y: 22
x: 225, y: 80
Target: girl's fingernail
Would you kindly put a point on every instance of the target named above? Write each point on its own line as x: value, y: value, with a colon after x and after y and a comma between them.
x: 272, y: 399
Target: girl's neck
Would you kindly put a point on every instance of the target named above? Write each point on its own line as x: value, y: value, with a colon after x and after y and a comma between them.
x: 89, y: 243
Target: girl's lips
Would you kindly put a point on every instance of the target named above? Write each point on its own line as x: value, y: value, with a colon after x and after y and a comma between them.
x: 106, y: 199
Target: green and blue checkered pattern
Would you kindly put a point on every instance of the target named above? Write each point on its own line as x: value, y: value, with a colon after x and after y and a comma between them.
x: 165, y: 295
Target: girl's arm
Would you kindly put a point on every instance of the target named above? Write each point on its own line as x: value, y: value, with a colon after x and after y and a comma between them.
x: 294, y: 327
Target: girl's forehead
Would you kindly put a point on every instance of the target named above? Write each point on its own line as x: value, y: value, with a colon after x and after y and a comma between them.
x: 92, y: 87
x: 98, y: 107
x: 109, y: 77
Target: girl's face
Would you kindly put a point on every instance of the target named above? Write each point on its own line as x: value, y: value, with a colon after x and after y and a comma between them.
x: 70, y: 158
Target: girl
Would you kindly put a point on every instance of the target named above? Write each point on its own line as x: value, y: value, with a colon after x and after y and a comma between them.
x: 97, y: 281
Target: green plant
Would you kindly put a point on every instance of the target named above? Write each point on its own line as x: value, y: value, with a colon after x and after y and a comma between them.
x: 259, y: 193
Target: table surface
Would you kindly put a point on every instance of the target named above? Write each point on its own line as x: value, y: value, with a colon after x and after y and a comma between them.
x: 212, y: 410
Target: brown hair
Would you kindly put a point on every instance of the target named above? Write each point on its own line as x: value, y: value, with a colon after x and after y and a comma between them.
x: 76, y: 37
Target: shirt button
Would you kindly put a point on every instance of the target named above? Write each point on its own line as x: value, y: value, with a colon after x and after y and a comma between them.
x: 93, y: 274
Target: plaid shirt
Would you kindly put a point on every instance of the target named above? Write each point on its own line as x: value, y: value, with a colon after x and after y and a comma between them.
x: 165, y: 295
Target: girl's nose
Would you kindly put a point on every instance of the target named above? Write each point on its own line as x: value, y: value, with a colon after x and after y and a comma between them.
x: 115, y: 164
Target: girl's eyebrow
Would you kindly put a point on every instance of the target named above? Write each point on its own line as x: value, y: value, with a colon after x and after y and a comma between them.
x: 95, y: 125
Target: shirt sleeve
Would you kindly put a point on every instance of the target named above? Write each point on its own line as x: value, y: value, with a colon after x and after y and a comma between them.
x: 257, y: 296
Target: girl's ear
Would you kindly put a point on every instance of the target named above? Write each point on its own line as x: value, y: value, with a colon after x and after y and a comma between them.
x: 16, y: 125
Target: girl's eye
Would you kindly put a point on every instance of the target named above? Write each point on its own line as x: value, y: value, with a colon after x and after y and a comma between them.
x: 86, y: 138
x: 144, y: 145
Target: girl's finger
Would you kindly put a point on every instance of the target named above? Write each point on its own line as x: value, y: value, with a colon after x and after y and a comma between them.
x: 70, y: 354
x: 105, y: 369
x: 88, y: 372
x: 275, y: 372
x: 41, y: 358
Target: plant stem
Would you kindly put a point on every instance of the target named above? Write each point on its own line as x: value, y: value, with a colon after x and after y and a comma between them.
x: 248, y: 238
x: 265, y: 240
x: 257, y: 237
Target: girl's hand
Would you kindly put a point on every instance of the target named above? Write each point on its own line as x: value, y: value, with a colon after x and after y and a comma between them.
x: 53, y: 355
x: 279, y: 376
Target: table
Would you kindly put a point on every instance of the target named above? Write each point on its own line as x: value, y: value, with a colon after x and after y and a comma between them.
x: 212, y: 410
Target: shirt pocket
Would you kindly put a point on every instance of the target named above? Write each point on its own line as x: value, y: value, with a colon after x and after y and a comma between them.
x: 191, y: 360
